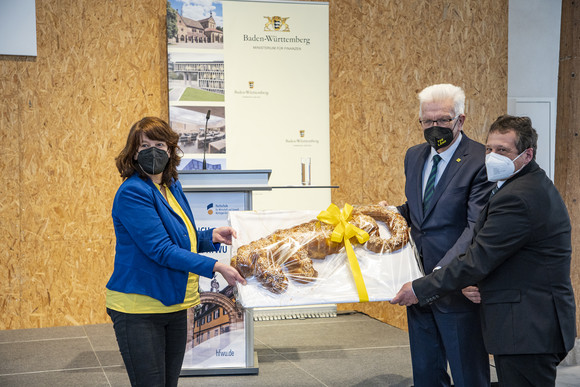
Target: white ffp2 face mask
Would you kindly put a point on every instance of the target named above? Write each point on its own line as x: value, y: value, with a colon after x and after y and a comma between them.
x: 500, y: 167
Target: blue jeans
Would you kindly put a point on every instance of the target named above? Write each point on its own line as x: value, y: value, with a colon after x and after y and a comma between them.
x: 152, y: 346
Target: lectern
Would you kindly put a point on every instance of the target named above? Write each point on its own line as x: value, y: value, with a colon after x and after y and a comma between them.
x: 220, y: 337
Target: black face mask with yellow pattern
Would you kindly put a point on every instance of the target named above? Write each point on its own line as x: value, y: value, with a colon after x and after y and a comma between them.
x: 438, y: 136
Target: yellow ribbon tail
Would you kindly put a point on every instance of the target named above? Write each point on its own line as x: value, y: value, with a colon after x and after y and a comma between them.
x: 359, y: 281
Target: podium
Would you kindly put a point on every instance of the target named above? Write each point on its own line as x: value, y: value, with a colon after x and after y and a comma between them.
x: 220, y: 335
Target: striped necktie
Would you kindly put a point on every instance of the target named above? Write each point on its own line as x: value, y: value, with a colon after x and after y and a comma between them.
x: 430, y: 187
x: 494, y: 191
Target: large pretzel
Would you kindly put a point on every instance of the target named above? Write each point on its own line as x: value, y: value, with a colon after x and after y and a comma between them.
x: 294, y: 248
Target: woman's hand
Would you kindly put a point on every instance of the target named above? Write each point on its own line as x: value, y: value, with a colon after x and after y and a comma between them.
x: 223, y: 235
x: 472, y: 293
x: 229, y: 273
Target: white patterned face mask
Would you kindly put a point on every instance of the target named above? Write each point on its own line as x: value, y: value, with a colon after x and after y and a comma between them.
x: 500, y: 167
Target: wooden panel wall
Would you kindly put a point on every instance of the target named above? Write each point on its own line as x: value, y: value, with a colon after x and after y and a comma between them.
x: 65, y: 115
x: 567, y: 177
x: 101, y: 66
x: 382, y: 53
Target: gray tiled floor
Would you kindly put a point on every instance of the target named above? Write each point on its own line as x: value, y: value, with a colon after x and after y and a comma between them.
x: 349, y: 350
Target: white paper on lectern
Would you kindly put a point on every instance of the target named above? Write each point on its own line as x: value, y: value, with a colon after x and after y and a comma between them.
x: 383, y: 274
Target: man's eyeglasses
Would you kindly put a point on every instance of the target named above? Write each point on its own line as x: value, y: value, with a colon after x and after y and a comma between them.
x: 441, y: 121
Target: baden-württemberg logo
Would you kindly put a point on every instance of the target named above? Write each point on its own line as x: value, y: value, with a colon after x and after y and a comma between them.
x: 275, y: 37
x: 277, y: 23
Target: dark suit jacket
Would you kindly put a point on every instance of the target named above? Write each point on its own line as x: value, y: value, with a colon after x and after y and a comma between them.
x: 520, y: 258
x: 446, y: 229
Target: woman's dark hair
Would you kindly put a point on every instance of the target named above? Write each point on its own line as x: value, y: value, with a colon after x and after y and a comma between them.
x: 526, y: 136
x: 155, y: 129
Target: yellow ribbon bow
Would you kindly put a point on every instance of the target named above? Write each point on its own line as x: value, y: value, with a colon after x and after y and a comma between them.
x: 343, y: 230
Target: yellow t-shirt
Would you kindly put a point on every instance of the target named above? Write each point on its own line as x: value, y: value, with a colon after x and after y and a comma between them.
x: 139, y: 303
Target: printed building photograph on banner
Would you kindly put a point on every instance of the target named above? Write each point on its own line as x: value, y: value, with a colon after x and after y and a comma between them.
x: 195, y: 76
x: 191, y: 164
x: 190, y: 123
x: 195, y: 24
x: 215, y: 331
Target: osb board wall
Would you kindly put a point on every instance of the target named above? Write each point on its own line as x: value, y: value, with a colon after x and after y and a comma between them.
x: 382, y: 53
x: 567, y: 176
x: 101, y: 66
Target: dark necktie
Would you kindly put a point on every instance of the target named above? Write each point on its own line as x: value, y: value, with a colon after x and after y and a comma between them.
x: 494, y: 191
x: 430, y: 187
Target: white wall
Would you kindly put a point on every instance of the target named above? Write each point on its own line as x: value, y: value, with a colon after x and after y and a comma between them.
x: 533, y: 59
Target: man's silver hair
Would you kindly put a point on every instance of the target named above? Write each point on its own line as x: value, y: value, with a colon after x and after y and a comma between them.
x: 443, y: 92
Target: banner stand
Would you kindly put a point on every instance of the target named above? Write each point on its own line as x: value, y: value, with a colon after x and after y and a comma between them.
x: 220, y: 334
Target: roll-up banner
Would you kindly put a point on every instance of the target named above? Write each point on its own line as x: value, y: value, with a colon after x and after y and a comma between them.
x: 248, y: 89
x: 255, y: 73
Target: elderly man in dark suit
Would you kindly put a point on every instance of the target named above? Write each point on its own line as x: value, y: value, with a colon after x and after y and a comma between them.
x: 446, y: 188
x: 520, y: 260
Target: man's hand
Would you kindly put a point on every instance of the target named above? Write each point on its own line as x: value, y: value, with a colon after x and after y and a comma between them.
x: 405, y: 296
x: 223, y: 235
x: 472, y: 292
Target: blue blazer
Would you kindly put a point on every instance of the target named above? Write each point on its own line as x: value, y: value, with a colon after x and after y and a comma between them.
x: 153, y: 251
x: 445, y: 230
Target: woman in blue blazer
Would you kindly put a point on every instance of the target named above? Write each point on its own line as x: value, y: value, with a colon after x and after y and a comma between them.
x: 157, y: 265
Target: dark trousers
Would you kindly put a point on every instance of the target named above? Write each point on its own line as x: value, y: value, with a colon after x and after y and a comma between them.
x: 527, y: 370
x: 152, y: 346
x: 437, y: 338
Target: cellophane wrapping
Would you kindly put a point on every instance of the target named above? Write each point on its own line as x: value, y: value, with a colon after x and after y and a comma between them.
x: 383, y: 273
